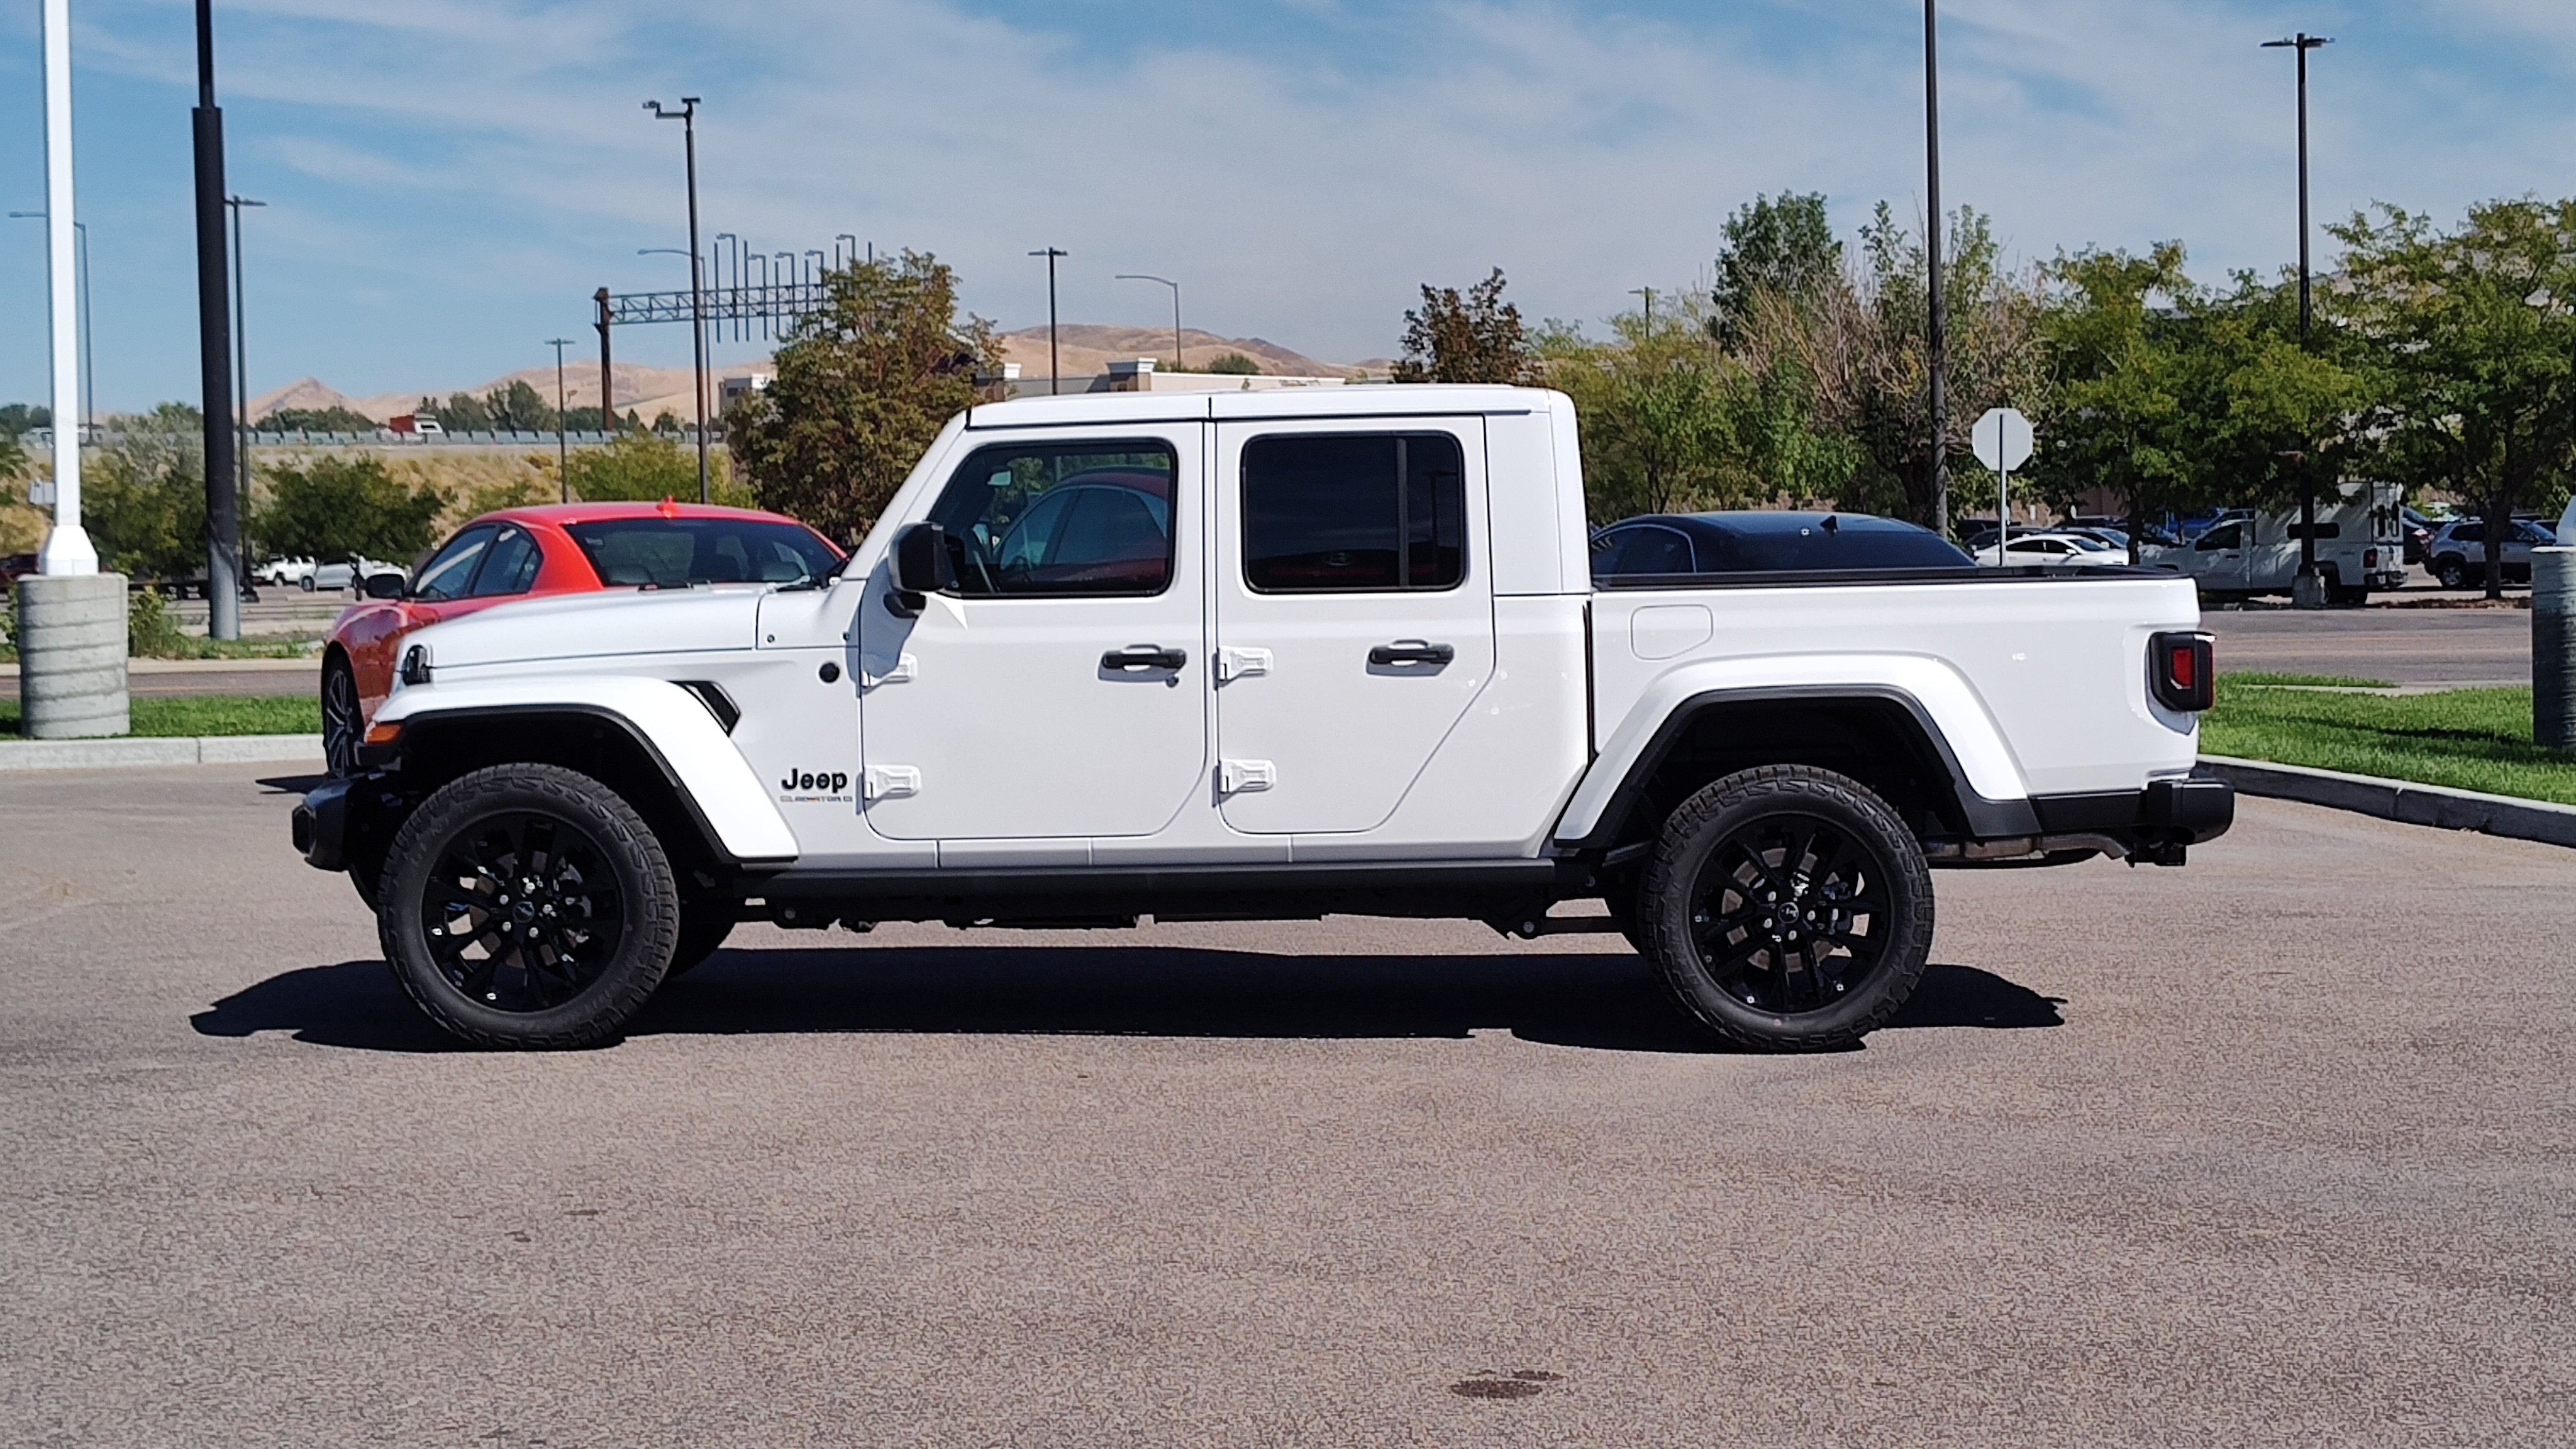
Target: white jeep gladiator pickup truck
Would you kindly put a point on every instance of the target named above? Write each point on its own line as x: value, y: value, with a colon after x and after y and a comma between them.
x: 1257, y: 656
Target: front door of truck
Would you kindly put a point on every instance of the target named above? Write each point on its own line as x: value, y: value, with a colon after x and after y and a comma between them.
x: 1354, y: 613
x: 1056, y: 690
x: 2218, y: 557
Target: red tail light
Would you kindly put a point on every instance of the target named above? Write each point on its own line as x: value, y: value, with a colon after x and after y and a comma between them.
x: 2179, y: 672
x: 2370, y: 558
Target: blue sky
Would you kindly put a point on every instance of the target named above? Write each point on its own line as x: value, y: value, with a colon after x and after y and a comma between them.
x: 448, y: 180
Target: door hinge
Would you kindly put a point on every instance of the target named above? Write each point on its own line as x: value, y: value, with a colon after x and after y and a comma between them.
x: 889, y: 782
x: 1245, y: 777
x: 1232, y: 663
x: 906, y: 669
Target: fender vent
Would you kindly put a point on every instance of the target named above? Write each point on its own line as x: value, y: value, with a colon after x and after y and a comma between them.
x: 718, y: 703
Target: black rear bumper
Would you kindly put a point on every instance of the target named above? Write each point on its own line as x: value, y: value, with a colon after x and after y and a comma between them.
x: 2156, y: 825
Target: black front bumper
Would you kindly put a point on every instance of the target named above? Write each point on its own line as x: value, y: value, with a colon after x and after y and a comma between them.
x: 347, y: 824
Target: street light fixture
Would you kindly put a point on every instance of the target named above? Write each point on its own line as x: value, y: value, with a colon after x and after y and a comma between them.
x: 1177, y: 365
x: 2310, y: 595
x: 89, y: 355
x: 1054, y: 369
x: 687, y: 116
x: 563, y: 444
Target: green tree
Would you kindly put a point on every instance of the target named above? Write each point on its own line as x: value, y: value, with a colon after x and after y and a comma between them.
x: 2125, y: 355
x: 1656, y: 432
x: 463, y: 412
x: 143, y: 495
x: 519, y: 408
x: 16, y: 418
x: 1235, y: 364
x: 863, y: 386
x: 1473, y: 336
x: 333, y: 508
x: 2477, y: 331
x: 1785, y: 249
x: 642, y: 467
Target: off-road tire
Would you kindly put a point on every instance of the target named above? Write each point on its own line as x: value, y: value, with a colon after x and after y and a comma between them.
x: 1740, y: 806
x: 645, y: 913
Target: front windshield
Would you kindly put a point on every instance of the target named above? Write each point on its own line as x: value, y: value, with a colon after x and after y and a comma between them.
x: 673, y: 553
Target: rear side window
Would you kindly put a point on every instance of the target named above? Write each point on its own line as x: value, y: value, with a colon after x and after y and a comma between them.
x: 1642, y: 549
x: 1038, y: 520
x: 1354, y: 512
x: 1853, y: 543
x: 673, y: 553
x: 509, y: 565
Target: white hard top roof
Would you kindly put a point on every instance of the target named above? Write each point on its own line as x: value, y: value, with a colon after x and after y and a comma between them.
x: 1354, y: 400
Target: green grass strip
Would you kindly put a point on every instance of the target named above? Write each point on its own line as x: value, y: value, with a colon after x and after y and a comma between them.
x: 2468, y: 739
x: 186, y: 715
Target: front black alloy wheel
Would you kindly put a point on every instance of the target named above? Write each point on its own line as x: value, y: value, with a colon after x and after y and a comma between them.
x: 1787, y: 908
x: 528, y: 906
x: 342, y: 724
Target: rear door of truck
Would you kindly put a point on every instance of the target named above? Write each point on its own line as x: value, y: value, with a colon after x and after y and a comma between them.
x: 1354, y: 612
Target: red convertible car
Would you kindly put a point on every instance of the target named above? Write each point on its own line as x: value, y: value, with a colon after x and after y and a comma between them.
x: 519, y: 553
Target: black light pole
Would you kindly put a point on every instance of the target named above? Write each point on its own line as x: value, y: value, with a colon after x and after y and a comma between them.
x: 241, y: 338
x: 214, y: 349
x: 1937, y: 331
x: 89, y: 359
x: 2301, y: 44
x: 687, y: 116
x: 1649, y: 294
x: 1177, y: 364
x: 563, y: 442
x: 1053, y: 369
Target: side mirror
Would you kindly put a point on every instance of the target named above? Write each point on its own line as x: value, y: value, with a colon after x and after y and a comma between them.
x: 384, y: 586
x: 921, y: 564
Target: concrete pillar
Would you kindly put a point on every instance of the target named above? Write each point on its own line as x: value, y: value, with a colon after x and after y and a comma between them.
x: 2553, y: 647
x: 71, y: 655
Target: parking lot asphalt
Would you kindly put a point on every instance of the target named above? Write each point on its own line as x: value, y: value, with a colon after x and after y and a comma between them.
x: 2454, y: 648
x: 2271, y: 1150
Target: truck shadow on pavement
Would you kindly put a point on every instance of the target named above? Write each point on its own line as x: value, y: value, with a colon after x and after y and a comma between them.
x: 1605, y: 1002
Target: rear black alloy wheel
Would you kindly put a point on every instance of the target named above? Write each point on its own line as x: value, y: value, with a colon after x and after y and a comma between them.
x: 528, y: 906
x: 1787, y: 908
x: 341, y: 721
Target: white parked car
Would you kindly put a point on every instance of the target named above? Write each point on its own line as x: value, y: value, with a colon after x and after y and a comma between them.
x: 2055, y: 550
x: 347, y: 574
x: 284, y: 571
x: 1260, y: 656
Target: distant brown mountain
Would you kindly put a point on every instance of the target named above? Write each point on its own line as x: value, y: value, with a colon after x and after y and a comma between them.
x: 1087, y: 349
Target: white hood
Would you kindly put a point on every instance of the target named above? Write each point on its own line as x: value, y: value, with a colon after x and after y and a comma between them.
x: 613, y: 622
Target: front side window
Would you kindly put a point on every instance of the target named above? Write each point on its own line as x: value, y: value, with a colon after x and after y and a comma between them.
x: 450, y: 573
x: 2231, y: 536
x: 1040, y: 519
x: 509, y: 565
x: 1337, y: 514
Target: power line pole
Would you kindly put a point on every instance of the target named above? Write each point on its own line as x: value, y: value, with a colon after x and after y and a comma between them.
x: 607, y: 391
x: 214, y: 350
x: 563, y: 441
x: 687, y: 116
x: 1937, y: 332
x: 1054, y: 369
x: 1649, y: 294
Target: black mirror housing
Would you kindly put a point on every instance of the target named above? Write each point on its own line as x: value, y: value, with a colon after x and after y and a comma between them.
x: 921, y: 563
x: 383, y: 586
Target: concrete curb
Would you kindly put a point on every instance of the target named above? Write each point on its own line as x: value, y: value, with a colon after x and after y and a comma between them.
x: 189, y: 750
x: 2400, y: 800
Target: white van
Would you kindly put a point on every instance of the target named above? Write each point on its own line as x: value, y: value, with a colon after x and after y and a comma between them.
x: 2360, y: 547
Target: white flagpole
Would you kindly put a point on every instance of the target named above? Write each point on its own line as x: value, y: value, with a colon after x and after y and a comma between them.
x: 67, y: 548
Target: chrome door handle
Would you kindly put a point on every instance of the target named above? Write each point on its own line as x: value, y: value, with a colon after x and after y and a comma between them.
x: 1412, y: 651
x: 1144, y: 656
